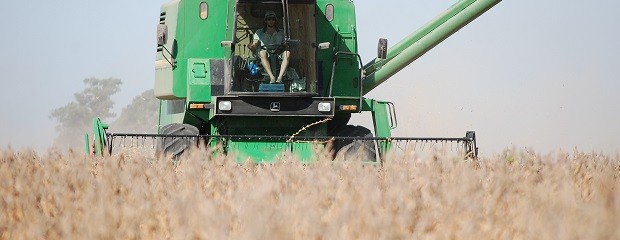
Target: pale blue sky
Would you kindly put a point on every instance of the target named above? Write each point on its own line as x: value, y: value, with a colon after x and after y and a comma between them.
x: 528, y: 73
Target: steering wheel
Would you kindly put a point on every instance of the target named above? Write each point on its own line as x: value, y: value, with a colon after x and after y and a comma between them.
x: 273, y: 48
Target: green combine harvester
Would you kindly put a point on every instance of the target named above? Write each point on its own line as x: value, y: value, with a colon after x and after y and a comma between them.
x: 215, y: 87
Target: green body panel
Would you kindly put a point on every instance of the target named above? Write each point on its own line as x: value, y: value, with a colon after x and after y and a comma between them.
x: 266, y: 149
x: 191, y: 40
x: 258, y: 151
x: 199, y: 85
x: 271, y: 151
x: 341, y: 32
x: 99, y: 138
x: 380, y: 117
x: 171, y: 111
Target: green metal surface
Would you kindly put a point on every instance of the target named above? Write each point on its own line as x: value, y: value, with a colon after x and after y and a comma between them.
x: 427, y: 37
x: 99, y: 137
x: 192, y: 42
x: 341, y: 32
x: 87, y: 144
x: 381, y: 122
x: 267, y: 151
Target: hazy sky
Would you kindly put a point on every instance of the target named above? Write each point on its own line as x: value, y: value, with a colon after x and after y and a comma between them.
x: 528, y: 73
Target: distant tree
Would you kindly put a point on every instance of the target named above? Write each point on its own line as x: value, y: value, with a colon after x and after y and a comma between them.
x: 75, y: 118
x: 140, y: 116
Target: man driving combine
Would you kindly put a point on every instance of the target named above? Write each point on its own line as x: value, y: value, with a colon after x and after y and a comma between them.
x: 270, y: 37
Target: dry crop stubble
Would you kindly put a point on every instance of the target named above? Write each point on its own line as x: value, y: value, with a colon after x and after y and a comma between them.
x: 513, y: 195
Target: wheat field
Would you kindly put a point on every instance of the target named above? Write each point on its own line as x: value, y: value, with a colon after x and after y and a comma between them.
x: 512, y: 195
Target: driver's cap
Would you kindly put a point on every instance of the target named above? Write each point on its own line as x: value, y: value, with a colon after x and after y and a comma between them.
x: 270, y: 14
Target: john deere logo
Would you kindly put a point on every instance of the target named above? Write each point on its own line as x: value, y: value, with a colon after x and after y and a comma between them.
x: 275, y: 106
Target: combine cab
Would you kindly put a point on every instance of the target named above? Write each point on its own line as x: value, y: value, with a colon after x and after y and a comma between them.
x: 215, y: 87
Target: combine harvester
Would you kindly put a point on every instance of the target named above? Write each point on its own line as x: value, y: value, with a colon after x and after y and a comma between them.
x: 214, y: 90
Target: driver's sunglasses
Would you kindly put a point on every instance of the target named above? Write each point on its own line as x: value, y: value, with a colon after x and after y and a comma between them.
x: 270, y: 19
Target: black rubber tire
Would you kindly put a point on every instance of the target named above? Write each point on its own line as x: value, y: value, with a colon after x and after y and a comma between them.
x: 349, y: 149
x: 175, y: 146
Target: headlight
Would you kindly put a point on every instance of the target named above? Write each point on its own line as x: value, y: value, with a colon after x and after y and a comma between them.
x: 325, y: 107
x: 224, y: 106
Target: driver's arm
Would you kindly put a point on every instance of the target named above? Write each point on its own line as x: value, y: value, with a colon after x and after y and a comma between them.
x: 252, y: 46
x: 255, y: 41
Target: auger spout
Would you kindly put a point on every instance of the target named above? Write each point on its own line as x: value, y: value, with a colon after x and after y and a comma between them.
x: 423, y: 40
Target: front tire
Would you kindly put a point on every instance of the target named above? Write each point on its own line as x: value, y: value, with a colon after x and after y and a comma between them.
x: 349, y: 149
x: 176, y: 146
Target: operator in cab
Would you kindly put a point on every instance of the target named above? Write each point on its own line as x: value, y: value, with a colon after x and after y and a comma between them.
x: 271, y: 40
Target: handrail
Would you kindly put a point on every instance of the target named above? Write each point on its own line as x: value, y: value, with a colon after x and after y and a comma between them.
x: 331, y: 81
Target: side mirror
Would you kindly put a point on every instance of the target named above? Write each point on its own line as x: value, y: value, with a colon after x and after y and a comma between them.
x: 226, y: 43
x: 382, y: 48
x: 323, y: 45
x: 162, y: 34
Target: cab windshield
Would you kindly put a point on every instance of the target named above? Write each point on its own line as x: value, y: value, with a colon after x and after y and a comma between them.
x: 273, y: 50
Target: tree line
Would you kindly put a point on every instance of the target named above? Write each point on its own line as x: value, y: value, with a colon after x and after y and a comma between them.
x: 75, y: 118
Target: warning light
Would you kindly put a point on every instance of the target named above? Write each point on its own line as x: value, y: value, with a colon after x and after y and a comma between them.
x: 348, y: 107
